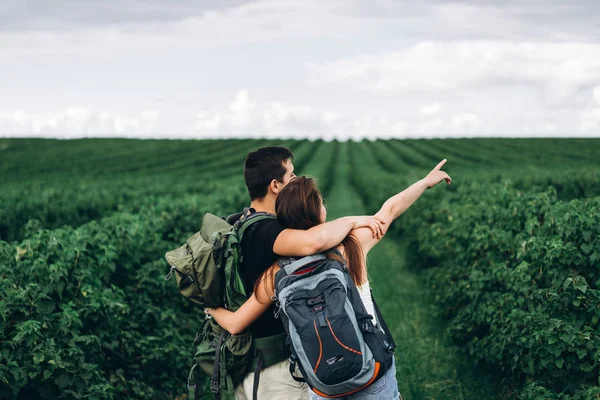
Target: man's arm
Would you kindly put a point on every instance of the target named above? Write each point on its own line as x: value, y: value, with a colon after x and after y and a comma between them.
x: 294, y: 242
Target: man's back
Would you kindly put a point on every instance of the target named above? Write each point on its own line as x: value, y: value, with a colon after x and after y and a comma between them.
x: 258, y: 256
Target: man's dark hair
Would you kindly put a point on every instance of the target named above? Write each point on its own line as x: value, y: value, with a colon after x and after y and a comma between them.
x: 262, y: 166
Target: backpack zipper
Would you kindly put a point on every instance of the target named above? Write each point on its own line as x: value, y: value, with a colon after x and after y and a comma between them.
x: 186, y: 277
x: 277, y: 304
x: 284, y: 294
x: 169, y: 275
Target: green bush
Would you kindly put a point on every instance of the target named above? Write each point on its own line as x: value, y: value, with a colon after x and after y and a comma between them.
x: 518, y: 274
x: 86, y: 312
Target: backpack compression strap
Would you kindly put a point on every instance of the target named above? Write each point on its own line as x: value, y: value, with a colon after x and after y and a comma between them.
x: 215, y: 382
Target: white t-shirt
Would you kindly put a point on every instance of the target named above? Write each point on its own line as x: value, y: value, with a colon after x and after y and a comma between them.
x: 365, y: 295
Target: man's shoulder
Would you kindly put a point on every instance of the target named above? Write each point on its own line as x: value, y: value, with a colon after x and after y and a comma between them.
x: 264, y: 227
x: 258, y: 242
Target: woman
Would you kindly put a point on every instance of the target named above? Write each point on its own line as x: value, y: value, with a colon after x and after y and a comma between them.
x: 300, y: 206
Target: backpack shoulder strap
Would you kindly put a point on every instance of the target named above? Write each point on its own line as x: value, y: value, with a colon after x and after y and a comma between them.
x: 337, y: 252
x: 381, y: 322
x: 250, y: 220
x: 233, y: 218
x: 237, y: 218
x: 303, y: 262
x: 285, y: 261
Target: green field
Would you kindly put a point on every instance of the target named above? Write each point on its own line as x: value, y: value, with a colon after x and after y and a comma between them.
x: 491, y: 286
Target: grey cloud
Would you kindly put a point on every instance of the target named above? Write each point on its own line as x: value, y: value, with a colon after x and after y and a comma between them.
x: 66, y: 14
x: 544, y: 9
x: 486, y: 62
x: 538, y: 20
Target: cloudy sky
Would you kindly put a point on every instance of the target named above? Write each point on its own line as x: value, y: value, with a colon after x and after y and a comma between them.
x: 299, y: 68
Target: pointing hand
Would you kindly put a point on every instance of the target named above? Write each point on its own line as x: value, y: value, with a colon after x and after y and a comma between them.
x: 436, y: 175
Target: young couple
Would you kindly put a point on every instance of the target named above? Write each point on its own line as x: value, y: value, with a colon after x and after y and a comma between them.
x: 300, y: 230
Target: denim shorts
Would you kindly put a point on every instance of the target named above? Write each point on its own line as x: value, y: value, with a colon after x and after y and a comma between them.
x: 386, y: 388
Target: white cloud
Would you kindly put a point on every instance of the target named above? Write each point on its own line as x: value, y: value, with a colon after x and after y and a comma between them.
x: 246, y: 117
x: 430, y: 128
x: 282, y: 120
x: 557, y: 69
x: 540, y: 128
x: 430, y: 109
x: 466, y: 123
x: 77, y: 122
x: 589, y: 121
x: 395, y: 69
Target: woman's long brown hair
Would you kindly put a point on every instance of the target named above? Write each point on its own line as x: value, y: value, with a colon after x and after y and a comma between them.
x: 298, y: 206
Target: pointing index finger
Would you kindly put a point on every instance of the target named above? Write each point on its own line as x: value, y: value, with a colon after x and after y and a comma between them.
x: 441, y: 164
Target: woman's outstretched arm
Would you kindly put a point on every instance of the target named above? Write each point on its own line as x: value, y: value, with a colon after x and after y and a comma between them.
x: 397, y: 204
x: 236, y: 322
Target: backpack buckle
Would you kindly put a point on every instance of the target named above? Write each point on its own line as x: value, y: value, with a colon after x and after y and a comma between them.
x: 316, y: 300
x: 368, y: 327
x: 319, y: 311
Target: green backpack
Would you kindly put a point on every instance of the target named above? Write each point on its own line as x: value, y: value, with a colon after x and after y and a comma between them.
x: 206, y: 270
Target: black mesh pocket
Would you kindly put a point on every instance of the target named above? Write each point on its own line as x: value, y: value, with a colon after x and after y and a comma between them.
x: 377, y: 341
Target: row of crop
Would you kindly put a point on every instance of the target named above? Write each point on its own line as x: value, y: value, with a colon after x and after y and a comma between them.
x: 570, y: 182
x: 321, y: 165
x: 549, y: 150
x: 376, y: 160
x: 342, y: 189
x: 486, y: 154
x: 84, y: 200
x: 390, y: 159
x: 28, y: 158
x: 514, y: 268
x: 432, y: 151
x: 518, y: 275
x: 66, y: 170
x: 546, y: 152
x: 303, y: 152
x: 75, y: 198
x: 226, y: 162
x: 372, y: 182
x: 39, y: 159
x: 86, y: 313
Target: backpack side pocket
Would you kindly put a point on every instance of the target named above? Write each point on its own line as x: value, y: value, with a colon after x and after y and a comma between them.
x: 181, y: 261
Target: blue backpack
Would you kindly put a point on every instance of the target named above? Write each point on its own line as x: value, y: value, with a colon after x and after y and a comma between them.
x: 331, y: 337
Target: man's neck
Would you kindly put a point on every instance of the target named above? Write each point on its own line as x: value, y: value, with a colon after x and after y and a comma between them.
x: 264, y: 205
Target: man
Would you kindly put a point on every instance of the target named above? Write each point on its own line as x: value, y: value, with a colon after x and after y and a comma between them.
x: 266, y: 172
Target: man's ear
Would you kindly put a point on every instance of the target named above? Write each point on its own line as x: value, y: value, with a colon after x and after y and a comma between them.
x: 275, y: 186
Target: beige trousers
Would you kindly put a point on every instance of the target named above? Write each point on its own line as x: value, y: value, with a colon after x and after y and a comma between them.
x: 276, y: 383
